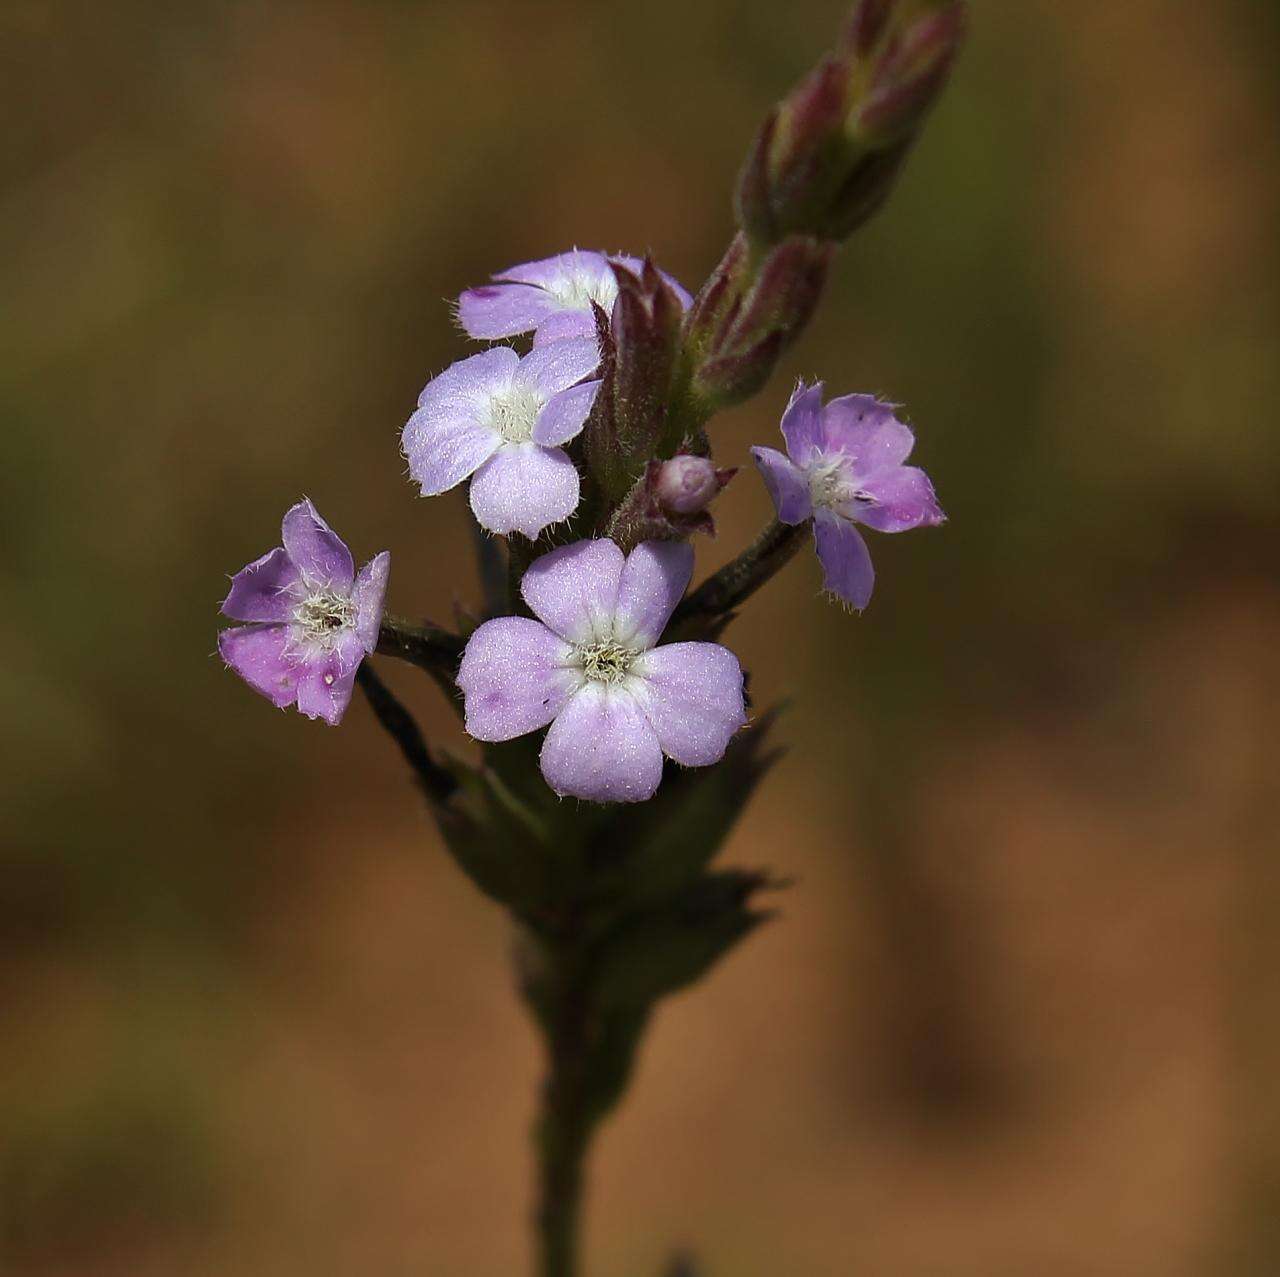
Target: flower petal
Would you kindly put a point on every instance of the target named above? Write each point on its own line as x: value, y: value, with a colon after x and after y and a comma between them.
x: 258, y: 654
x: 802, y: 422
x: 324, y: 688
x: 902, y: 498
x: 867, y: 432
x: 367, y: 594
x: 786, y: 483
x: 653, y: 581
x: 846, y: 563
x: 443, y: 453
x: 264, y: 590
x: 470, y: 383
x: 515, y: 678
x: 524, y: 488
x: 578, y: 264
x: 692, y: 698
x: 602, y: 748
x: 574, y: 590
x: 320, y: 554
x: 503, y: 310
x: 564, y: 415
x: 449, y: 437
x: 551, y: 368
x: 566, y: 325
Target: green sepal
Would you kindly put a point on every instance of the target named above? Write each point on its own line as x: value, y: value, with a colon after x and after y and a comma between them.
x: 664, y: 949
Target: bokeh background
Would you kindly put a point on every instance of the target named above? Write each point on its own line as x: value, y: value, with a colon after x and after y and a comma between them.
x: 1019, y: 1012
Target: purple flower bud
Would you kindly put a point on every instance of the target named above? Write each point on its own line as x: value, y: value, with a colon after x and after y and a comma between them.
x: 685, y: 484
x: 844, y: 466
x: 312, y: 619
x: 867, y: 25
x: 754, y: 330
x: 640, y: 349
x: 827, y: 156
x: 590, y: 666
x: 907, y: 78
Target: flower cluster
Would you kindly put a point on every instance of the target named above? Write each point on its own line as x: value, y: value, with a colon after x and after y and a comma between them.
x: 581, y: 429
x: 589, y: 667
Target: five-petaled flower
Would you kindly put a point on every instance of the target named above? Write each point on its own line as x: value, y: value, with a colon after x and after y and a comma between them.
x: 501, y: 419
x: 551, y: 298
x: 589, y: 666
x: 312, y: 620
x: 845, y: 466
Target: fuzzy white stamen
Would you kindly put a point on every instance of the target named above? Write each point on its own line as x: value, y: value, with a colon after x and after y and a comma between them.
x: 323, y: 617
x: 513, y: 412
x: 605, y: 662
x: 831, y: 487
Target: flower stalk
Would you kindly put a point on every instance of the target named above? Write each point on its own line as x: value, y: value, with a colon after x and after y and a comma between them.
x: 710, y: 605
x: 588, y: 673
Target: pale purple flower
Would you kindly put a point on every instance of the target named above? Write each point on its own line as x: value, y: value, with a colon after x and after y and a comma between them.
x: 589, y: 666
x: 550, y: 298
x: 499, y: 420
x: 845, y: 466
x: 312, y: 619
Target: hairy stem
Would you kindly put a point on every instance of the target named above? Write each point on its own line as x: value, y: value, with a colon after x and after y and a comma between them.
x: 399, y: 724
x: 429, y: 648
x: 742, y: 577
x: 521, y: 552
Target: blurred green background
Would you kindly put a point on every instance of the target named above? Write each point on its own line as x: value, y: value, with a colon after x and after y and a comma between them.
x: 1018, y: 1015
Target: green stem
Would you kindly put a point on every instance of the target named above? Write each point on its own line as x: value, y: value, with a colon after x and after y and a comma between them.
x: 564, y: 1125
x: 724, y: 590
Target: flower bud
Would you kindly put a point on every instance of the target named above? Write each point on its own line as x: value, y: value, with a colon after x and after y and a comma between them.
x: 639, y: 346
x: 827, y: 156
x: 685, y: 484
x: 669, y: 501
x: 738, y: 357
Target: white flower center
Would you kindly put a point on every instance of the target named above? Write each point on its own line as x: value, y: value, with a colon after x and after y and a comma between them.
x: 577, y: 291
x: 605, y: 662
x: 512, y: 413
x: 323, y: 616
x: 832, y: 487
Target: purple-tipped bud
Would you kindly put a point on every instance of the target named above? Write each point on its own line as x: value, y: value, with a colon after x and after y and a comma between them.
x: 866, y: 25
x: 685, y: 484
x: 754, y: 331
x: 827, y: 155
x: 909, y: 74
x: 639, y: 348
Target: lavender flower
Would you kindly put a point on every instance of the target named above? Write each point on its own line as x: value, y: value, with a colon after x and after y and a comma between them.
x: 501, y: 419
x: 845, y: 467
x: 589, y: 666
x: 551, y: 298
x: 312, y: 619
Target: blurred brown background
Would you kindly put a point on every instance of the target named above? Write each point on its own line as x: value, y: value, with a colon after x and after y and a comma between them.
x: 1018, y: 1015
